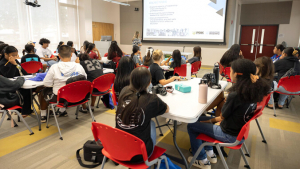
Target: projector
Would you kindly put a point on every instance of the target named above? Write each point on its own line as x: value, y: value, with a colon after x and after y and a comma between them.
x: 33, y: 3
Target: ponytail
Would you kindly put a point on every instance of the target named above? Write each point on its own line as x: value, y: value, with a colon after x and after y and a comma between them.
x: 24, y: 51
x: 148, y: 57
x: 90, y: 48
x: 157, y: 54
x: 132, y: 111
x: 134, y: 50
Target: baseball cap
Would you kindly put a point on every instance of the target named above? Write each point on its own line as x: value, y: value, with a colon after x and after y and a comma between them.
x: 30, y: 42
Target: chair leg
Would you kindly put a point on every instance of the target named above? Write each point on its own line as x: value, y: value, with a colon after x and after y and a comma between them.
x: 246, y: 149
x: 262, y: 134
x: 19, y: 115
x: 166, y: 162
x: 92, y: 115
x: 56, y: 123
x: 273, y: 104
x: 289, y: 101
x: 3, y: 117
x: 158, y: 163
x: 37, y: 103
x: 161, y: 134
x: 10, y: 117
x: 198, y: 152
x: 103, y: 162
x: 221, y: 156
x: 77, y: 110
x: 48, y: 116
x: 243, y: 155
x: 98, y: 101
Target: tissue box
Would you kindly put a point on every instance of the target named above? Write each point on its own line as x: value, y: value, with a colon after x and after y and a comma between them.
x: 183, y: 88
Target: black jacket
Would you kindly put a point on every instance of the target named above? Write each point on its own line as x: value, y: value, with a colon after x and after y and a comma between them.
x: 285, y: 64
x: 8, y: 88
x: 10, y: 70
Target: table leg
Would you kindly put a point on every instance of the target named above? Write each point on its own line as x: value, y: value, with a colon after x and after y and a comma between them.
x: 183, y: 160
x: 37, y: 115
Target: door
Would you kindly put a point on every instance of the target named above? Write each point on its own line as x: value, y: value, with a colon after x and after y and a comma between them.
x: 257, y: 41
x: 102, y: 29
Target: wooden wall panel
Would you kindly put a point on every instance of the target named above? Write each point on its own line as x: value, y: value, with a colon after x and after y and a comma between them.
x: 102, y: 29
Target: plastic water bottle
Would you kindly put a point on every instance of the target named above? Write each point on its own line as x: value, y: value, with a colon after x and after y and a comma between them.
x: 216, y: 72
x: 188, y: 71
x: 203, y: 88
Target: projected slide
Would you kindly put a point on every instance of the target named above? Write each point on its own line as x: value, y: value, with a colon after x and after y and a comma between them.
x: 184, y: 20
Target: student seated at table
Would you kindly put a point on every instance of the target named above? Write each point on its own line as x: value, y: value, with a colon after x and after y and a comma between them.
x: 84, y: 46
x: 136, y: 56
x: 126, y: 66
x: 177, y: 62
x: 148, y: 58
x: 93, y: 69
x: 45, y: 53
x: 2, y: 46
x: 285, y: 63
x: 9, y: 68
x: 114, y: 52
x: 231, y: 55
x: 71, y: 44
x: 92, y: 52
x: 58, y: 74
x: 236, y: 112
x: 197, y: 55
x: 278, y: 49
x: 137, y: 107
x: 157, y: 72
x: 59, y: 45
x: 30, y: 56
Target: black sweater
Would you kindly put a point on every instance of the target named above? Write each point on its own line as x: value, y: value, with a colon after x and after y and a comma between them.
x: 10, y: 70
x: 285, y: 64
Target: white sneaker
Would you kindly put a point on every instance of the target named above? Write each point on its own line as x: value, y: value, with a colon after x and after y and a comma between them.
x: 212, y: 159
x: 199, y: 164
x: 171, y: 122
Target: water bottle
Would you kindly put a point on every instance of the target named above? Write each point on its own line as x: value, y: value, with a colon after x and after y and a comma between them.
x: 216, y: 72
x: 188, y: 71
x: 203, y: 88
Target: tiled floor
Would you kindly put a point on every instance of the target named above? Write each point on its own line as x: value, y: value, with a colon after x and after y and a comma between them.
x: 45, y: 150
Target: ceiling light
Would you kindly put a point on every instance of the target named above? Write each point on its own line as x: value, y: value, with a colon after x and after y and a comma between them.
x: 116, y: 2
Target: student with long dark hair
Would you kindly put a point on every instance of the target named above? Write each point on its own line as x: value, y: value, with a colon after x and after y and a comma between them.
x: 236, y: 112
x: 148, y: 58
x: 83, y: 47
x: 93, y: 69
x: 278, y: 49
x: 136, y: 56
x: 31, y: 56
x: 9, y: 68
x: 137, y: 107
x: 114, y: 52
x: 59, y: 45
x: 91, y: 50
x: 285, y: 63
x: 177, y: 62
x: 197, y: 55
x: 265, y: 68
x: 231, y: 55
x: 2, y: 46
x: 71, y: 44
x: 126, y: 66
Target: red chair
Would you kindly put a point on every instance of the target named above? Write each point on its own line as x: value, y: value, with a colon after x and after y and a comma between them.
x: 196, y: 67
x: 181, y: 71
x: 120, y: 146
x: 32, y: 66
x: 106, y: 54
x: 114, y: 97
x: 213, y: 142
x: 103, y: 85
x: 75, y: 94
x: 14, y: 110
x: 224, y: 72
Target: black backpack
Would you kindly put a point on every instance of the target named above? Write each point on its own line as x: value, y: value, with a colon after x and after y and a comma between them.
x: 291, y: 72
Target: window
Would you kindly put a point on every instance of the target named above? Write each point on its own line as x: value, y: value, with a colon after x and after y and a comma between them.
x: 56, y: 20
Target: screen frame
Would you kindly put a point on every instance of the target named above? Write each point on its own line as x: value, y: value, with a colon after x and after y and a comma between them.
x: 186, y: 42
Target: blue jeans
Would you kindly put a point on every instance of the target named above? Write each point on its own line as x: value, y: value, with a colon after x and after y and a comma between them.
x: 281, y: 99
x: 213, y: 131
x: 153, y: 134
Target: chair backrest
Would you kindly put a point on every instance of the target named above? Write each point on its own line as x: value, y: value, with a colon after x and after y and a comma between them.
x: 119, y: 144
x: 32, y: 66
x: 114, y: 96
x: 181, y: 71
x: 196, y: 66
x: 227, y: 73
x: 221, y: 69
x: 290, y: 84
x: 106, y: 54
x: 104, y: 82
x: 245, y: 129
x: 74, y: 92
x: 265, y: 101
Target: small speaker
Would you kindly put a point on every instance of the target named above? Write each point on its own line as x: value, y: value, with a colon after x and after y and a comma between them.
x: 136, y: 9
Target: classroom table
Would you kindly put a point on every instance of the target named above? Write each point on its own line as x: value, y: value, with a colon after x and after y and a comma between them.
x: 184, y: 107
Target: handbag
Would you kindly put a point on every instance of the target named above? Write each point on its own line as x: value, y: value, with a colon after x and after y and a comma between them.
x: 92, y: 152
x: 170, y: 163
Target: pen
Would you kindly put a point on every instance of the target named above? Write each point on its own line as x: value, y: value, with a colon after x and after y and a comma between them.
x: 6, y: 63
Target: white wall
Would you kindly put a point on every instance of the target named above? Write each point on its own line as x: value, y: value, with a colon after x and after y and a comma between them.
x: 107, y: 12
x: 85, y: 20
x: 290, y: 32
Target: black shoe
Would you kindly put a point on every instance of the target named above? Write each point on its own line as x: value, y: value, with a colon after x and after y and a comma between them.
x: 62, y: 114
x: 83, y: 111
x: 44, y: 119
x: 56, y: 113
